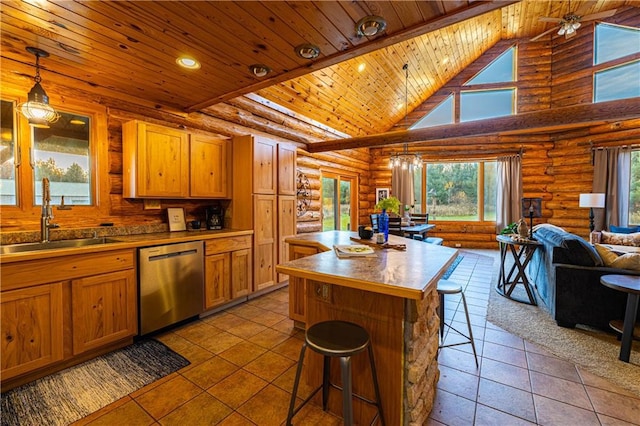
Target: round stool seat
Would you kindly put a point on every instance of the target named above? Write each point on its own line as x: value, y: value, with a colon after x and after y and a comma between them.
x: 447, y: 287
x: 337, y: 338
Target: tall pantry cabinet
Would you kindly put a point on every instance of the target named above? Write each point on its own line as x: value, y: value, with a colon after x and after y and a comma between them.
x: 264, y: 200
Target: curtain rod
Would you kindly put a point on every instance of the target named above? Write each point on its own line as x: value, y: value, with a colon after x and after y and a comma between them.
x: 593, y: 146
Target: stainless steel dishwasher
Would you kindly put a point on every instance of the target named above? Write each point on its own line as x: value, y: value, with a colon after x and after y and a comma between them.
x: 171, y: 284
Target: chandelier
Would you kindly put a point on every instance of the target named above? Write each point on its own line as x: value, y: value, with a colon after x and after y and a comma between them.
x: 405, y: 160
x: 570, y: 23
x: 37, y: 109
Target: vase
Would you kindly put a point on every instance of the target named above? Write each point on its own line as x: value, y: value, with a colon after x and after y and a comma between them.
x: 383, y: 224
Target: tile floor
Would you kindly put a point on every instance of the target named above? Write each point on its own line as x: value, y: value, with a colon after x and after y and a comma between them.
x: 243, y: 364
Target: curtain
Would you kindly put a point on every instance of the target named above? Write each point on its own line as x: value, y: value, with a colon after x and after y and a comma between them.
x: 612, y: 177
x: 402, y: 187
x: 509, y: 188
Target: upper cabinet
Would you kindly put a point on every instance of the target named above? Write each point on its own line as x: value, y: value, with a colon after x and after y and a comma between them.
x: 161, y: 162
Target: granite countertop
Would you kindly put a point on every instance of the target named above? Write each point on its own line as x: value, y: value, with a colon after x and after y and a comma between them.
x: 126, y: 242
x: 407, y: 273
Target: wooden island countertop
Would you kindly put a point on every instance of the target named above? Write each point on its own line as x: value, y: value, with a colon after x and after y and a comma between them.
x: 392, y: 294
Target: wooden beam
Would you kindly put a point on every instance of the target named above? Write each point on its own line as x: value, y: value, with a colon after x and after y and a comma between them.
x: 474, y: 9
x: 538, y: 121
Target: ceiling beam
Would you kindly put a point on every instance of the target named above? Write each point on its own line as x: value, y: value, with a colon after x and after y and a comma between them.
x: 547, y: 120
x: 474, y: 9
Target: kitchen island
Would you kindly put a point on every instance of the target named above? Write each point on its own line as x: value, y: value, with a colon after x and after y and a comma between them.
x: 392, y: 294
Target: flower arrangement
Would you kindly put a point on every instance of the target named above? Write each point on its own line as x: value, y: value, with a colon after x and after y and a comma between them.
x: 390, y: 204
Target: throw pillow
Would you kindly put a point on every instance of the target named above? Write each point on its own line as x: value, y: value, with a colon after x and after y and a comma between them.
x: 623, y: 230
x: 621, y: 239
x: 608, y: 256
x: 627, y: 261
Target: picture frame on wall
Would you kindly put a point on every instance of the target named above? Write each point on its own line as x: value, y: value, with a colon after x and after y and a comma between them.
x: 381, y: 194
x: 176, y: 219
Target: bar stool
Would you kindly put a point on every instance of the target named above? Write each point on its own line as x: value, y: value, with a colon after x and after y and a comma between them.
x: 447, y: 287
x: 339, y: 339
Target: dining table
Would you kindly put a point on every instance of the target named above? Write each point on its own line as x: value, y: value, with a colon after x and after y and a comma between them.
x: 419, y: 229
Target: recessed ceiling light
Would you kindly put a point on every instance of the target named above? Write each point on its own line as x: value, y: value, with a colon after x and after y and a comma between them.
x: 361, y: 67
x: 259, y: 70
x: 370, y: 26
x: 188, y: 62
x: 307, y: 51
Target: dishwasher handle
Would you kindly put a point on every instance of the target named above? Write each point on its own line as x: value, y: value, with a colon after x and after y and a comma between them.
x: 174, y: 254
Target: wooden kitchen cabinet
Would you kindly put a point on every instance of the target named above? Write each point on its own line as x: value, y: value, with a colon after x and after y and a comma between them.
x: 287, y: 169
x: 265, y: 163
x: 286, y: 227
x: 298, y: 288
x: 209, y: 176
x: 265, y: 241
x: 227, y: 267
x: 155, y: 161
x: 103, y: 309
x: 32, y: 329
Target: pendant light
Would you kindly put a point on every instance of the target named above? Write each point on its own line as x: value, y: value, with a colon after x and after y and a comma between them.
x: 405, y: 160
x: 37, y: 109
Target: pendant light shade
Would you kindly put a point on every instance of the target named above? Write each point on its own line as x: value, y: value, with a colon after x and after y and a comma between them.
x: 37, y: 109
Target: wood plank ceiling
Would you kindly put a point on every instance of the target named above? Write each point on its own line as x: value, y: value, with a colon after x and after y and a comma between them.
x: 356, y: 85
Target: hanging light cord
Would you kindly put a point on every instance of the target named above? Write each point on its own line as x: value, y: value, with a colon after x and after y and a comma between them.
x: 37, y: 77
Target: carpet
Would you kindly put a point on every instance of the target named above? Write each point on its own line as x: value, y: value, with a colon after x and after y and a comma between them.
x: 592, y: 349
x: 452, y: 267
x: 71, y: 394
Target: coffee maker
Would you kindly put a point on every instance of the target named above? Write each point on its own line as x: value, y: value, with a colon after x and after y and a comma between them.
x: 215, y: 217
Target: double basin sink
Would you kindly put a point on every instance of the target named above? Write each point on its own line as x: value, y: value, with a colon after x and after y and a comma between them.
x: 50, y: 245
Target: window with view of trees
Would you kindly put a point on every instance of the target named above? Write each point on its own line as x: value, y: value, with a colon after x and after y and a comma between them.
x: 461, y: 191
x: 339, y: 202
x: 634, y: 192
x: 61, y: 153
x: 619, y: 81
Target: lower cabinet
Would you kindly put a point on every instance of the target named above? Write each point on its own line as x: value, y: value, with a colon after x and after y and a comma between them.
x: 227, y: 268
x: 103, y: 309
x: 32, y: 329
x: 297, y: 287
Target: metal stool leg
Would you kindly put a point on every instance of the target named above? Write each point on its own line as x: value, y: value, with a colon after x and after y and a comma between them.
x: 326, y: 380
x: 296, y: 382
x: 466, y: 313
x: 441, y: 313
x: 376, y: 388
x: 347, y: 392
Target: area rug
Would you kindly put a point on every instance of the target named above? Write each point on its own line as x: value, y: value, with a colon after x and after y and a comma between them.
x: 592, y: 349
x: 71, y: 394
x: 452, y: 267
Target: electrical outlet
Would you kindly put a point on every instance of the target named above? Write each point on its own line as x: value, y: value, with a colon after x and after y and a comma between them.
x: 323, y: 292
x: 458, y: 245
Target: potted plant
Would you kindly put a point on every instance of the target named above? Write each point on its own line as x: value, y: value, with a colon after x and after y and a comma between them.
x: 390, y: 204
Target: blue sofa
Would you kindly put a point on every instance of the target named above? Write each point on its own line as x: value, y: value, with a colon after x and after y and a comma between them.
x: 566, y: 273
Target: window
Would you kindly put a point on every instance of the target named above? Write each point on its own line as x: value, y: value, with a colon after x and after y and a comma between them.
x: 458, y: 191
x: 8, y: 180
x: 339, y: 201
x: 500, y: 70
x: 616, y: 81
x: 442, y: 114
x: 61, y: 153
x: 473, y: 104
x: 634, y: 192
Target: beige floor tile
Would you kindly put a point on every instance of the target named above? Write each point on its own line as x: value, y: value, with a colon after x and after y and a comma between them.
x: 552, y: 412
x: 167, y: 397
x: 487, y: 416
x: 290, y: 348
x: 247, y: 311
x: 235, y: 419
x: 269, y: 366
x: 553, y: 366
x: 130, y: 414
x: 197, y: 331
x: 237, y: 388
x: 243, y: 353
x: 268, y: 338
x: 506, y: 374
x: 247, y: 329
x: 221, y: 342
x: 312, y: 415
x: 285, y: 382
x: 459, y: 360
x: 458, y: 382
x: 610, y: 421
x: 451, y: 409
x: 508, y: 399
x: 204, y: 409
x: 224, y: 320
x: 210, y: 372
x: 615, y: 405
x: 268, y: 407
x: 196, y: 355
x: 595, y: 381
x: 286, y: 326
x: 505, y: 354
x: 560, y: 390
x: 503, y: 338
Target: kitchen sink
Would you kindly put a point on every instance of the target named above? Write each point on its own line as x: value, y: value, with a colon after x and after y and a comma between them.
x: 82, y: 242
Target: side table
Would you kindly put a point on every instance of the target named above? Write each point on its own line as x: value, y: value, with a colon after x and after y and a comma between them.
x: 630, y: 284
x: 521, y: 251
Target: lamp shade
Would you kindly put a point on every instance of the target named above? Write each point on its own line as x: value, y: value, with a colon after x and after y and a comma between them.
x: 532, y: 207
x: 592, y: 200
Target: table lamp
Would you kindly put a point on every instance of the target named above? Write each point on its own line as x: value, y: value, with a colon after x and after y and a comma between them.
x: 531, y: 207
x: 593, y: 201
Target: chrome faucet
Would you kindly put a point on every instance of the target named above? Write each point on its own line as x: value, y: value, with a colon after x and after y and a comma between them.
x: 47, y: 212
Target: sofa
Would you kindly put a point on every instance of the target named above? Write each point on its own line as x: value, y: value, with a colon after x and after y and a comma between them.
x: 566, y: 273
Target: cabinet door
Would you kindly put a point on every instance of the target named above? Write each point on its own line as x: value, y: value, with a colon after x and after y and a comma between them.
x: 286, y: 169
x: 163, y: 162
x: 217, y: 284
x: 32, y: 329
x: 265, y: 157
x: 264, y: 247
x: 240, y: 273
x: 286, y: 228
x: 297, y: 286
x: 103, y: 309
x: 209, y: 173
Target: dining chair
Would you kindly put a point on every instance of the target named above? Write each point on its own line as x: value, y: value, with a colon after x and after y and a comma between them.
x: 374, y: 222
x: 420, y: 218
x: 395, y: 226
